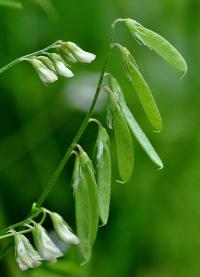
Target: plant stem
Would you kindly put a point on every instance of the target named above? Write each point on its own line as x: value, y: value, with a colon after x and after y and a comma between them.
x: 8, y: 66
x: 75, y: 141
x: 19, y: 224
x: 11, y: 235
x: 80, y: 132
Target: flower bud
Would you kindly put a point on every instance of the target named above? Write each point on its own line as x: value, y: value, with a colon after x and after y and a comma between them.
x: 26, y: 255
x: 46, y: 61
x: 76, y: 53
x: 45, y: 246
x: 69, y: 57
x: 60, y: 66
x: 46, y: 75
x: 63, y: 230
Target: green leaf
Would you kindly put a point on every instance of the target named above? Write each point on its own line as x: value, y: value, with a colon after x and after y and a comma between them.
x: 142, y: 89
x: 158, y: 44
x: 103, y: 173
x: 134, y: 126
x: 124, y: 142
x: 87, y: 210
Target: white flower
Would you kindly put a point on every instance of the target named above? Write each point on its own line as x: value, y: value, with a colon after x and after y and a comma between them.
x: 63, y: 230
x: 45, y: 246
x: 60, y: 66
x: 77, y: 53
x: 46, y: 75
x: 26, y: 255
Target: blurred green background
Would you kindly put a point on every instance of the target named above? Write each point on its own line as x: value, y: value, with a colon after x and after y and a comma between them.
x: 154, y: 226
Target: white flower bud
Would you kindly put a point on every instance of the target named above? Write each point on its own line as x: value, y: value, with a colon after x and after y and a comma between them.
x: 46, y: 61
x: 63, y: 230
x: 26, y: 255
x: 60, y: 66
x: 69, y: 57
x: 46, y: 75
x: 45, y: 246
x: 78, y: 54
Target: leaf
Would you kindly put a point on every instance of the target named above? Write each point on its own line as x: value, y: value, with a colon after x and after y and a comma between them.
x: 11, y: 4
x: 103, y: 173
x: 158, y: 44
x: 124, y: 143
x: 142, y: 89
x: 87, y: 210
x: 134, y: 126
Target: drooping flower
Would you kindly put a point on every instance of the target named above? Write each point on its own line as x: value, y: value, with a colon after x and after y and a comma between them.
x: 62, y: 229
x: 46, y: 75
x: 26, y: 255
x: 60, y: 66
x: 76, y: 54
x: 45, y: 246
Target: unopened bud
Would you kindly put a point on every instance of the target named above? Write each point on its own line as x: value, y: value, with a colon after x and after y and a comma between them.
x: 63, y: 230
x: 60, y: 66
x: 75, y: 53
x: 46, y: 61
x: 46, y: 75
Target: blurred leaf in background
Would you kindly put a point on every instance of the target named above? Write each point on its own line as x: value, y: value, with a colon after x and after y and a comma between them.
x: 48, y: 8
x: 11, y: 4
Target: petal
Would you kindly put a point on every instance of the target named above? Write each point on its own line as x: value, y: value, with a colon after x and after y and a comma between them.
x: 45, y: 246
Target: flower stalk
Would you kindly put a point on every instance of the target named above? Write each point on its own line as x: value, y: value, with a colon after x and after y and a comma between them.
x: 50, y: 185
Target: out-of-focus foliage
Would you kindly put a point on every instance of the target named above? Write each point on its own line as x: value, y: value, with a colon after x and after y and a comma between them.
x: 153, y: 228
x: 10, y: 4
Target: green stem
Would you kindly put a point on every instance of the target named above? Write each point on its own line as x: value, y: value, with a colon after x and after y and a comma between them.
x: 95, y: 120
x: 19, y: 224
x: 81, y: 130
x: 11, y: 235
x: 8, y: 66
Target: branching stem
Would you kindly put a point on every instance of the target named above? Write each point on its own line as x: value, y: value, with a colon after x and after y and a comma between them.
x: 79, y: 134
x: 42, y: 51
x: 58, y: 171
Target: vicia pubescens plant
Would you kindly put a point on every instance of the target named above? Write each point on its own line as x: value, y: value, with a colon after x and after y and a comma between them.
x: 26, y: 255
x: 91, y: 180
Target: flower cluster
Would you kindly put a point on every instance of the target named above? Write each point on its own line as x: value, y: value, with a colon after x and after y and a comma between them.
x: 28, y: 257
x: 49, y: 65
